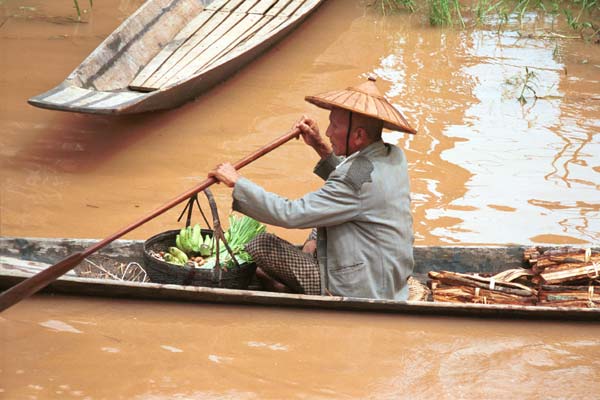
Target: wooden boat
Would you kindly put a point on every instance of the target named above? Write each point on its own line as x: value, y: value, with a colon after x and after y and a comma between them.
x: 170, y: 51
x: 22, y: 257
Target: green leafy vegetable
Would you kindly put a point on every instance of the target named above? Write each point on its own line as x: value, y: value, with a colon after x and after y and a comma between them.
x: 241, y: 231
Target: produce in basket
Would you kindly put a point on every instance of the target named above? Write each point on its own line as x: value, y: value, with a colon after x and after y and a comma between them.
x: 192, y: 247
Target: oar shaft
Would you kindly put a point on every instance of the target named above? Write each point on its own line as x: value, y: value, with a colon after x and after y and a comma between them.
x: 182, y: 197
x: 40, y: 280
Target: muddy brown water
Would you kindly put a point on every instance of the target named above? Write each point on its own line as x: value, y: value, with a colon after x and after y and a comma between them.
x: 72, y: 348
x: 484, y: 169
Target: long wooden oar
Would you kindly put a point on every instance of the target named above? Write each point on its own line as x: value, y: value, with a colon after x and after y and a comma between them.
x: 42, y: 279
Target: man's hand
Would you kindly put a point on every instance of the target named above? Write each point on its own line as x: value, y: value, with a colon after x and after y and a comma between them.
x: 310, y: 247
x: 225, y: 173
x: 311, y: 135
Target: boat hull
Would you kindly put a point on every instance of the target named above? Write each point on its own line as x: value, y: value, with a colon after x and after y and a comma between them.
x: 460, y: 259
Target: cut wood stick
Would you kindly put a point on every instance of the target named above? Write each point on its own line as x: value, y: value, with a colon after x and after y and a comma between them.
x: 570, y: 296
x: 569, y: 303
x: 468, y: 294
x: 457, y: 279
x: 31, y: 285
x: 591, y: 271
x: 531, y: 254
x: 512, y: 274
x: 545, y: 261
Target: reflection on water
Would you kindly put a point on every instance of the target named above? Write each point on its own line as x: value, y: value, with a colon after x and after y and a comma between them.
x: 514, y: 172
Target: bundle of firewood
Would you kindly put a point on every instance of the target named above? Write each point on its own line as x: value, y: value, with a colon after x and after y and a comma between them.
x: 566, y: 277
x: 569, y: 296
x: 454, y: 287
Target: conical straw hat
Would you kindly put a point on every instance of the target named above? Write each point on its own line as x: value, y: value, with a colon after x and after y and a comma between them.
x: 364, y: 99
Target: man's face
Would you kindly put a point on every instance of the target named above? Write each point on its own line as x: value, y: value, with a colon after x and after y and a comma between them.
x: 337, y: 130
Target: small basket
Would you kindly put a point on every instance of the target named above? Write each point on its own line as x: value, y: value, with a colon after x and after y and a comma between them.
x: 237, y: 276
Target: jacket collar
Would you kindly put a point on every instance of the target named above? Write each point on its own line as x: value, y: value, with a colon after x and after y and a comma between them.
x: 373, y: 148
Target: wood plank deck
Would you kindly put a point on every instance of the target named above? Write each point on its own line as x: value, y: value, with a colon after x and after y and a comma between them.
x: 169, y: 49
x: 216, y: 31
x: 269, y: 24
x: 213, y: 19
x: 206, y: 60
x: 180, y: 70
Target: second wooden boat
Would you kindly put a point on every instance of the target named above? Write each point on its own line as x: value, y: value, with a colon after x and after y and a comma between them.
x: 170, y: 51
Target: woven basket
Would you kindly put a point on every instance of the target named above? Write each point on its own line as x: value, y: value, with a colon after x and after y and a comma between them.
x: 234, y: 277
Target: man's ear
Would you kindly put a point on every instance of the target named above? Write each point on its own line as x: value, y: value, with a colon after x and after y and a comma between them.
x: 361, y: 135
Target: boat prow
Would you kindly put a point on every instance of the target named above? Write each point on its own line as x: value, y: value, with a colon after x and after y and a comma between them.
x: 170, y: 51
x: 72, y: 98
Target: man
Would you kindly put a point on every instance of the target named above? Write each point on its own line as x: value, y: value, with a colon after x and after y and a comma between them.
x: 362, y: 213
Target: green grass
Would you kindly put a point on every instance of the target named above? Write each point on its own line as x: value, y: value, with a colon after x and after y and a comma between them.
x: 78, y: 8
x: 582, y: 16
x: 445, y: 13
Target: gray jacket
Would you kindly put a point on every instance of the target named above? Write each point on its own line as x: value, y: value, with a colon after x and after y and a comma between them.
x: 362, y: 213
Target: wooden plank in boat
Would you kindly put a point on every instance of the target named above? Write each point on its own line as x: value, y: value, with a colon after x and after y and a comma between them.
x: 247, y: 5
x: 291, y: 8
x: 224, y: 5
x: 241, y: 31
x: 265, y: 23
x: 66, y: 95
x: 306, y: 7
x: 92, y: 98
x: 120, y: 57
x: 231, y: 47
x: 262, y: 7
x: 87, y: 95
x: 283, y: 18
x: 8, y: 265
x: 210, y: 20
x: 275, y: 23
x: 277, y: 8
x: 272, y: 26
x: 180, y: 53
x: 203, y: 53
x: 235, y: 24
x: 115, y: 100
x: 189, y: 30
x: 297, y: 9
x: 140, y: 81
